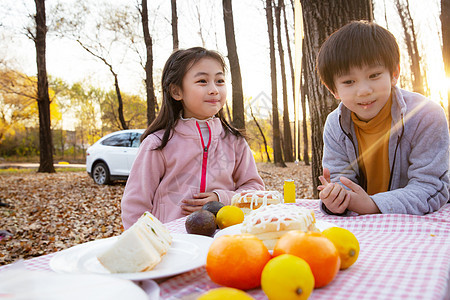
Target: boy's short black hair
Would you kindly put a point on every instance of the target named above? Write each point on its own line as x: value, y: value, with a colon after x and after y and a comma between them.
x: 356, y: 44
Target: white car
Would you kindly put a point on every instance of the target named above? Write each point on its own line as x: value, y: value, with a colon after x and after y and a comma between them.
x: 112, y: 156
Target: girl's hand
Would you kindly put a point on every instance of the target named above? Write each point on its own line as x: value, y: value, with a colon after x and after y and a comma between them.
x: 200, y: 199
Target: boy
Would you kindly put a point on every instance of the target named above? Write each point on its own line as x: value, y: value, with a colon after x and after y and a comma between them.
x: 388, y: 147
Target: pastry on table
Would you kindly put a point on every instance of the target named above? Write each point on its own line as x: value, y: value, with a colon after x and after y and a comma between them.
x: 270, y: 222
x: 251, y: 200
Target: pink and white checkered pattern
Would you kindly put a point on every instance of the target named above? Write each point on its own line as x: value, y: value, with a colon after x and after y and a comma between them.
x: 401, y: 257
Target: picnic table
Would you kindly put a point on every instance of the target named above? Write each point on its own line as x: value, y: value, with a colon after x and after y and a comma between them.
x: 401, y: 257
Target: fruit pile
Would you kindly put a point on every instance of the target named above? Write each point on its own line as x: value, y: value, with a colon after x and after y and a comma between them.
x: 213, y: 215
x: 301, y: 261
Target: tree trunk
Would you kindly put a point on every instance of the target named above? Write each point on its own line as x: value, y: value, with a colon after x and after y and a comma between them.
x: 43, y: 99
x: 445, y: 24
x: 235, y: 69
x: 228, y: 113
x: 123, y: 124
x: 304, y: 89
x: 174, y: 24
x: 321, y: 18
x: 277, y: 155
x: 151, y: 99
x: 287, y: 135
x: 291, y: 66
x: 261, y: 132
x: 411, y: 44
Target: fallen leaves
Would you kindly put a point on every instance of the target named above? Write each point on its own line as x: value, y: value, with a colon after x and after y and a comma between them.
x: 46, y: 213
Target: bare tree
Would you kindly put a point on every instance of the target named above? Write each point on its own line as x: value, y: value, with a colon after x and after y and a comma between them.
x: 235, y: 69
x: 101, y: 37
x: 304, y: 89
x: 411, y: 44
x: 291, y: 66
x: 261, y: 132
x: 445, y: 25
x: 277, y: 155
x: 201, y: 34
x: 43, y: 99
x: 321, y: 18
x: 151, y: 99
x: 91, y: 51
x: 174, y: 24
x: 287, y: 136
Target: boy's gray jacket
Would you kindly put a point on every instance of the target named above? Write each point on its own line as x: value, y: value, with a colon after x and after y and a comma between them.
x: 418, y: 154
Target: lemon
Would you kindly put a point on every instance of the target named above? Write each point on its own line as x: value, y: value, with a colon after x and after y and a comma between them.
x: 287, y: 277
x: 229, y: 215
x: 346, y: 243
x: 225, y: 293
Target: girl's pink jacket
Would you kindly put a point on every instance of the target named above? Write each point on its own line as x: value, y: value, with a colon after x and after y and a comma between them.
x: 160, y: 179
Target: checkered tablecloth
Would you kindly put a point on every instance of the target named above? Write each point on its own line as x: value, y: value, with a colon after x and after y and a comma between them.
x: 401, y: 257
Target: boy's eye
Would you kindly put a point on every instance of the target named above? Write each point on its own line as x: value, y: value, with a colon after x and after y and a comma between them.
x: 375, y: 75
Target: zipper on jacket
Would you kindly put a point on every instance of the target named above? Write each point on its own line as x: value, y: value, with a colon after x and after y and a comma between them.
x: 205, y: 157
x: 395, y: 153
x: 361, y: 178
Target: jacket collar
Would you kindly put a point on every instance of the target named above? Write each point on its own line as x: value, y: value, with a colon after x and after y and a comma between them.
x: 188, y: 127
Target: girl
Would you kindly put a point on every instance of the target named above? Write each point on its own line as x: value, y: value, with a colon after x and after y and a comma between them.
x: 189, y: 155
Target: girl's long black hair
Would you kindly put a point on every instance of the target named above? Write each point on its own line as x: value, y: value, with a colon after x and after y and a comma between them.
x: 174, y: 70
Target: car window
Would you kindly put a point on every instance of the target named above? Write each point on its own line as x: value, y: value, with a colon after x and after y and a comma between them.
x: 135, y: 139
x: 118, y: 140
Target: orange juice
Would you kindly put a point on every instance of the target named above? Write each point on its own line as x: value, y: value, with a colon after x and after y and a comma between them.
x: 289, y: 191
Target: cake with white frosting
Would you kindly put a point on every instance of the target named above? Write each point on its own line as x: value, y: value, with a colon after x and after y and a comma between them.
x: 138, y: 249
x: 269, y: 223
x: 251, y: 200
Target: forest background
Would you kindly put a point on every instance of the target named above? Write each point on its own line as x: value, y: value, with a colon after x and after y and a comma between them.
x: 98, y: 61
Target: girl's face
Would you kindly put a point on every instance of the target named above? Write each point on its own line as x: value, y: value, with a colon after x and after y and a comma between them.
x: 203, y: 92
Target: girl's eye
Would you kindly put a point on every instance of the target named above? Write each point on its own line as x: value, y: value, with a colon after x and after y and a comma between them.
x: 201, y: 81
x: 221, y: 81
x: 348, y: 82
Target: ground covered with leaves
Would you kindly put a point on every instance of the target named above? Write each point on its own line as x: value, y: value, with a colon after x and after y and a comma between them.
x: 45, y: 213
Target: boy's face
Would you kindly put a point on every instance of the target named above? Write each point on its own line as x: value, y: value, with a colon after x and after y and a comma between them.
x: 365, y: 90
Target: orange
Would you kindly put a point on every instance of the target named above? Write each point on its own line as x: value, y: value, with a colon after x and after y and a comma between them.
x: 237, y: 261
x: 318, y: 251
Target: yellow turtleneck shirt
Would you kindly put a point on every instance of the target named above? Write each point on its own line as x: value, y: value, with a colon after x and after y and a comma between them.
x: 373, y: 147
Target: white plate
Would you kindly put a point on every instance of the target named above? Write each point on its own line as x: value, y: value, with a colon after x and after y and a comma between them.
x: 236, y: 229
x: 187, y: 252
x: 37, y: 285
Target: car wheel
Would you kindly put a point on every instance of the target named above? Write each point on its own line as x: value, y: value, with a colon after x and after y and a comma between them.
x: 100, y: 173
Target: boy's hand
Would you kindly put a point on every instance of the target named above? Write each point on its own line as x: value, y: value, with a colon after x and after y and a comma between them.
x: 191, y: 205
x: 333, y: 195
x: 325, y: 179
x: 361, y: 201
